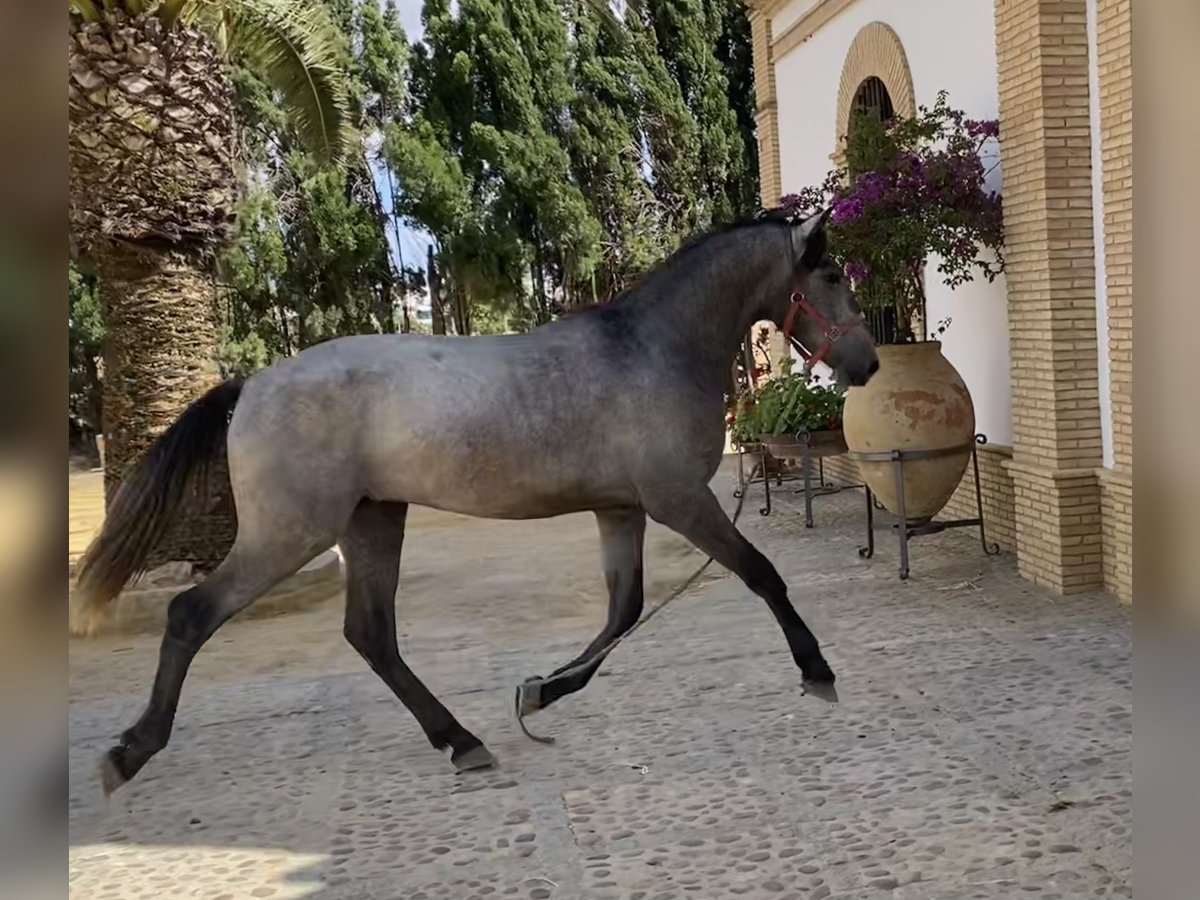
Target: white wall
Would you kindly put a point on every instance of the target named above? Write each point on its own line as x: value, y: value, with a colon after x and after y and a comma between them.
x: 1102, y: 359
x: 951, y: 46
x: 791, y: 13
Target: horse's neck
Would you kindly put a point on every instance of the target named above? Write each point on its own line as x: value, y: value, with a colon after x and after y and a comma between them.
x: 706, y: 311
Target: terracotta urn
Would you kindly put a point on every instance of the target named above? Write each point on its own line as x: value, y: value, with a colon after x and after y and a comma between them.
x: 916, y: 401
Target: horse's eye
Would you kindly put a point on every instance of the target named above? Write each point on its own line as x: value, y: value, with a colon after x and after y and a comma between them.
x: 833, y: 277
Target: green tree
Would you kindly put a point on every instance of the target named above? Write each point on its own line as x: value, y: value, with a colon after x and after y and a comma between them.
x: 735, y: 56
x: 554, y: 152
x: 443, y: 179
x: 690, y: 34
x: 85, y: 347
x: 382, y: 61
x: 671, y: 139
x: 311, y: 260
x: 606, y: 146
x: 522, y: 94
x: 256, y: 318
x: 336, y: 250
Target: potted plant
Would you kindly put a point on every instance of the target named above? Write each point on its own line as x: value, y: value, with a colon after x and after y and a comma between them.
x: 791, y: 414
x: 911, y: 190
x: 750, y: 367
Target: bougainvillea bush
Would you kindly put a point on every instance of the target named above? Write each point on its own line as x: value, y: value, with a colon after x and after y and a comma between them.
x: 911, y: 189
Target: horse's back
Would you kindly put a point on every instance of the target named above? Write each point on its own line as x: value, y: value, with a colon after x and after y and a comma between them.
x: 505, y: 426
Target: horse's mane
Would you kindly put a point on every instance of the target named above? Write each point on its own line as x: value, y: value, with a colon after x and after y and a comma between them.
x: 777, y: 216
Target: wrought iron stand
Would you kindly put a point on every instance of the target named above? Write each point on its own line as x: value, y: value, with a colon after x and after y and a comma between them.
x: 811, y: 449
x: 904, y: 527
x: 757, y: 471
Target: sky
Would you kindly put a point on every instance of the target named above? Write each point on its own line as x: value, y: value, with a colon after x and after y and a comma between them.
x: 410, y: 17
x: 414, y: 242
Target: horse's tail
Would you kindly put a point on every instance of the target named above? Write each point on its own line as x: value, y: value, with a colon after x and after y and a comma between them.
x: 149, y: 497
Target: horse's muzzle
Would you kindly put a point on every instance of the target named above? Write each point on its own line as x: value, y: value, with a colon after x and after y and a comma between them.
x: 856, y: 375
x: 861, y: 377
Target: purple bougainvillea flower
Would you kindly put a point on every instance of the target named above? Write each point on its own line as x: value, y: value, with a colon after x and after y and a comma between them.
x: 918, y: 191
x: 847, y: 210
x: 857, y: 272
x: 982, y: 128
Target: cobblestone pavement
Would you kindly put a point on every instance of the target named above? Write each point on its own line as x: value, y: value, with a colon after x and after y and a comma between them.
x: 982, y: 746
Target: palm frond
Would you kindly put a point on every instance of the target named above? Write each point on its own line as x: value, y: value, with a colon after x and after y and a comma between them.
x: 87, y: 10
x: 295, y: 47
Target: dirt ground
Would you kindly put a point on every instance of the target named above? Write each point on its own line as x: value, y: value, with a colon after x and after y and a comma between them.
x: 981, y: 748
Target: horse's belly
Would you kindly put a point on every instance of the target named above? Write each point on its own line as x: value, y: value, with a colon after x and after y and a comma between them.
x: 468, y: 500
x: 502, y: 485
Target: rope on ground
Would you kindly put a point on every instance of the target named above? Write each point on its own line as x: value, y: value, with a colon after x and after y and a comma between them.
x: 596, y: 658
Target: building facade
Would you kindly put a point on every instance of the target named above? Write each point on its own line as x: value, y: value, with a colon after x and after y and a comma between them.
x: 1047, y: 350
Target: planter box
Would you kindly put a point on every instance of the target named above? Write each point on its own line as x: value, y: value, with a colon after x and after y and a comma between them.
x: 774, y: 464
x: 813, y: 444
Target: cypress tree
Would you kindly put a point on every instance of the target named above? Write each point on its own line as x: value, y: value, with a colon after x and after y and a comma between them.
x: 670, y: 135
x: 689, y: 34
x: 606, y: 145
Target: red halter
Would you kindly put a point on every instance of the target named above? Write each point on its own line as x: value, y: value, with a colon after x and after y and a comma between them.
x: 830, y: 332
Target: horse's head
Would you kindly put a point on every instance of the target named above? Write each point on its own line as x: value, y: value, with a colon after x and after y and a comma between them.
x: 821, y: 311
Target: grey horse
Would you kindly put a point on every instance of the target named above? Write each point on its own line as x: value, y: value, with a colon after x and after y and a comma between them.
x: 616, y: 410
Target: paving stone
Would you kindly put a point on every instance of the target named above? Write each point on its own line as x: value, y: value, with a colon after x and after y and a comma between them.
x: 982, y: 748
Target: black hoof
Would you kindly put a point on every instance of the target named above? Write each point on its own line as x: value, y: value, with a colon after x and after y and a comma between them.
x: 529, y: 696
x: 825, y: 690
x: 478, y: 757
x: 818, y: 679
x: 113, y: 770
x: 525, y: 702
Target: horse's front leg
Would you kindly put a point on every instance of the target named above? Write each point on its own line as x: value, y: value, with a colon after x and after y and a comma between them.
x: 697, y: 515
x: 622, y: 537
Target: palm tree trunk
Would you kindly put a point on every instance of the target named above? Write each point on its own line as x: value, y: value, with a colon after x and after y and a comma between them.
x: 160, y: 353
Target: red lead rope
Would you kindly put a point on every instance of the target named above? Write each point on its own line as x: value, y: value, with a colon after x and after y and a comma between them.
x: 830, y: 333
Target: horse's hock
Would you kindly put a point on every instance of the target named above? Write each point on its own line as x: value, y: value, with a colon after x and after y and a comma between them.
x: 142, y: 607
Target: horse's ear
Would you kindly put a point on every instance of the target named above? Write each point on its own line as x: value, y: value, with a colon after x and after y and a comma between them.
x: 810, y: 240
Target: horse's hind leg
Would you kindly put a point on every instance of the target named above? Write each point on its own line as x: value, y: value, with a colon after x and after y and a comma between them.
x: 371, y: 546
x: 622, y: 537
x: 252, y: 568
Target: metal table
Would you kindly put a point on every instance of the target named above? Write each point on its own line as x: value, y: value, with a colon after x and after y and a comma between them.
x: 807, y: 446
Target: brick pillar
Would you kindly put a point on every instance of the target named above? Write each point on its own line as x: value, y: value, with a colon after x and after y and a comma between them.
x: 1042, y: 63
x: 767, y: 119
x: 1114, y: 57
x: 766, y: 113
